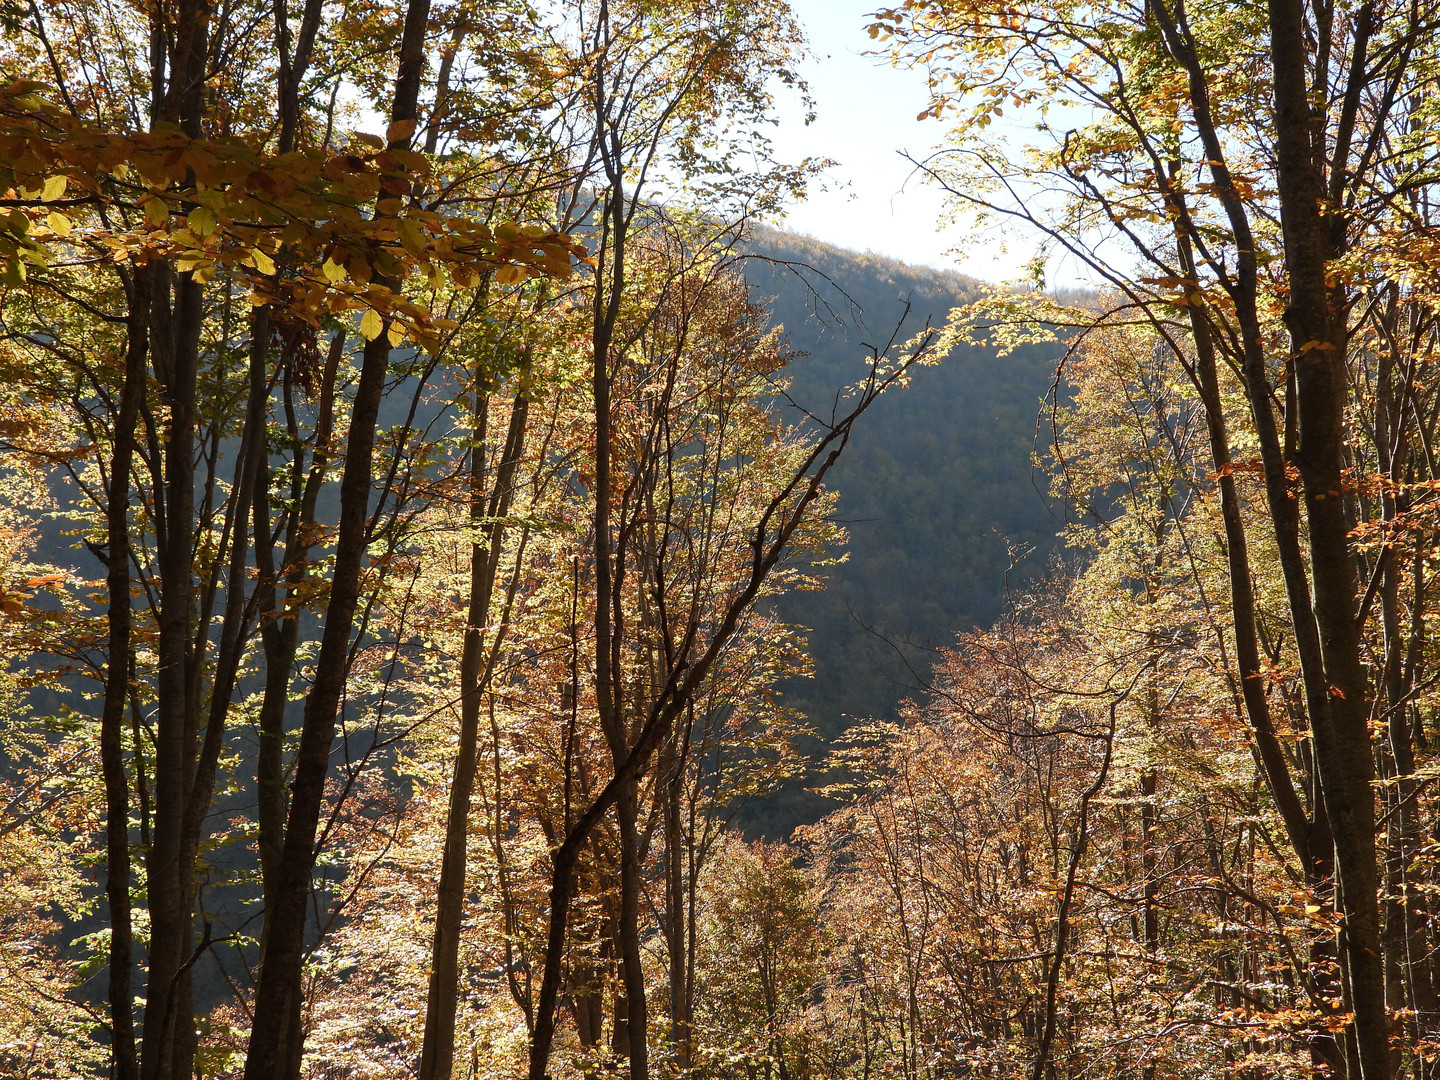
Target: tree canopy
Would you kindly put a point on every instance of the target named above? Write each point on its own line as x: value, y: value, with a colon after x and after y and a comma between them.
x: 412, y: 519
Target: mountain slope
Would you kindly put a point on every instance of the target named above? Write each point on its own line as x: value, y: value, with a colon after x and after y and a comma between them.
x: 936, y: 488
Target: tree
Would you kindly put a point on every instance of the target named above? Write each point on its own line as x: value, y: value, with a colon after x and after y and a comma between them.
x: 1244, y: 188
x: 760, y: 962
x: 194, y: 234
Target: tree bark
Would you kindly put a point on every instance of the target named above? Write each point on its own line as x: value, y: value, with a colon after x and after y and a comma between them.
x: 276, y: 1038
x: 117, y: 682
x: 1339, y: 718
x: 487, y: 516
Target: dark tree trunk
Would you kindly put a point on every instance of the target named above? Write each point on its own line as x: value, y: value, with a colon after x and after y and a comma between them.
x: 1339, y: 718
x: 169, y: 883
x: 276, y: 1038
x: 627, y: 809
x: 117, y: 682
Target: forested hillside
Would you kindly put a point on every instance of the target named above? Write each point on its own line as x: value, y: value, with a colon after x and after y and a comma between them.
x: 414, y: 534
x: 937, y: 494
x: 941, y: 504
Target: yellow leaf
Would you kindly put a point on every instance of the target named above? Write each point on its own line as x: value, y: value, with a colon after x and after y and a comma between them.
x: 411, y: 236
x: 156, y: 212
x: 509, y: 273
x: 332, y: 270
x: 396, y: 333
x: 371, y: 324
x: 54, y: 188
x: 400, y: 131
x: 201, y: 221
x: 358, y: 269
x: 262, y: 262
x: 58, y: 222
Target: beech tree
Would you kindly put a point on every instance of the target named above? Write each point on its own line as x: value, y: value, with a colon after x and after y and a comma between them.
x: 246, y: 316
x: 150, y: 196
x: 1233, y: 153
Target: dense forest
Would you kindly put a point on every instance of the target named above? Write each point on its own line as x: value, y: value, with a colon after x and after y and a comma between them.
x: 941, y: 503
x: 444, y: 539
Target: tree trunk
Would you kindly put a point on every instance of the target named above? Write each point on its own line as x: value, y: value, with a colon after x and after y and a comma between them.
x: 628, y: 931
x: 1339, y: 719
x: 276, y: 1039
x: 678, y: 930
x: 117, y: 683
x: 487, y: 517
x: 169, y: 881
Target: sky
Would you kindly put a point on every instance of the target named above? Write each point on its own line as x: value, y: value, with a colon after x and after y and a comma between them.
x: 865, y: 118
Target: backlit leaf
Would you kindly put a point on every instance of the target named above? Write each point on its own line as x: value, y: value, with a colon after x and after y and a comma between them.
x: 400, y: 131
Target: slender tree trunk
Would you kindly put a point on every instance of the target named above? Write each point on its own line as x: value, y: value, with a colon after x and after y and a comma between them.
x: 677, y: 926
x: 117, y: 683
x: 627, y: 808
x: 280, y: 623
x: 168, y: 1032
x: 1270, y: 753
x: 487, y: 517
x: 168, y: 876
x: 279, y: 628
x: 276, y: 1039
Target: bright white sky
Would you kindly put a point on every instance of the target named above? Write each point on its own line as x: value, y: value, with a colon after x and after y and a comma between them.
x: 865, y: 118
